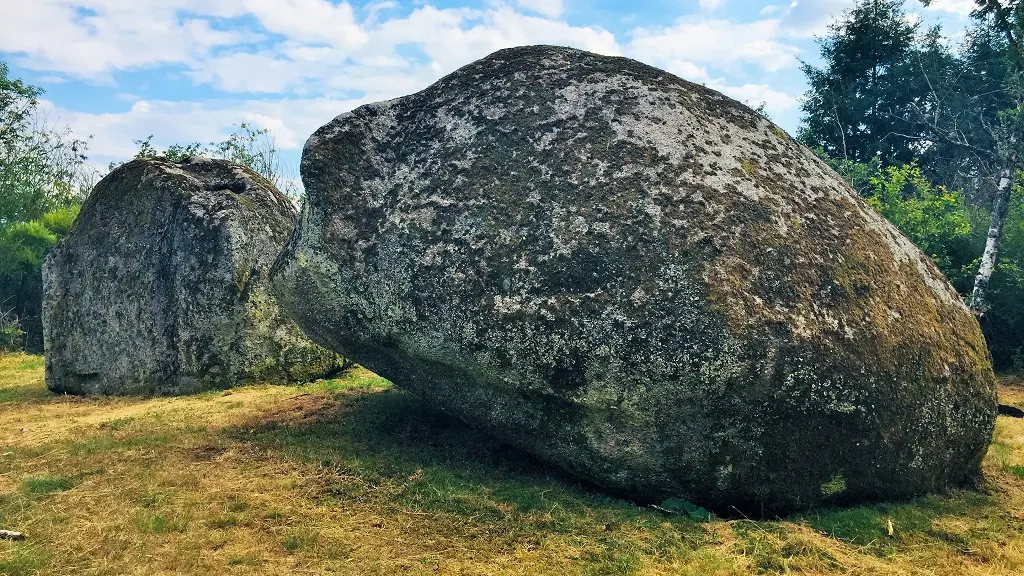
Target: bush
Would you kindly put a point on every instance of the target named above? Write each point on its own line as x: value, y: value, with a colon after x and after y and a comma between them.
x: 936, y: 219
x: 23, y: 247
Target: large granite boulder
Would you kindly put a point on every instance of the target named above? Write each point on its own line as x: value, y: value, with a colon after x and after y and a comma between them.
x: 638, y: 280
x: 162, y: 285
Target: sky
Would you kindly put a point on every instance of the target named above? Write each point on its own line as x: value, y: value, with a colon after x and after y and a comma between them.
x: 190, y: 70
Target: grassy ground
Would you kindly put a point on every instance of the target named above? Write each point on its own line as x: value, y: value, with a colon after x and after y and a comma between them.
x: 349, y: 476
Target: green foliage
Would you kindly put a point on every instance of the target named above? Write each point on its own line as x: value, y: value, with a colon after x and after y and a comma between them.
x: 175, y: 153
x: 936, y: 219
x: 41, y: 168
x: 23, y: 247
x: 59, y: 222
x: 835, y: 486
x: 12, y: 337
x: 857, y: 174
x: 1007, y: 17
x: 686, y: 508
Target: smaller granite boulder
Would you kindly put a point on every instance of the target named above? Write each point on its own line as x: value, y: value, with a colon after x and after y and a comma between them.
x: 161, y: 286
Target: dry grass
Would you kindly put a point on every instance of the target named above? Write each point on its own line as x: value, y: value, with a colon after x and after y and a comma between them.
x: 351, y: 477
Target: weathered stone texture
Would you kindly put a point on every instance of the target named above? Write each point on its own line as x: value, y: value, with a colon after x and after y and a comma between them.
x: 162, y: 287
x: 641, y: 281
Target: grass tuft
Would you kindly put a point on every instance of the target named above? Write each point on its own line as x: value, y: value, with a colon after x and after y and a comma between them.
x: 45, y: 485
x: 162, y: 524
x: 23, y: 560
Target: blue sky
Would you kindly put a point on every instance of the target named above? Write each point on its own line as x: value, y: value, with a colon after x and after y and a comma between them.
x: 188, y: 70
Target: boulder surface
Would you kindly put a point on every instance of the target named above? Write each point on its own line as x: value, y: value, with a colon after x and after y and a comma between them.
x: 162, y: 285
x: 642, y: 282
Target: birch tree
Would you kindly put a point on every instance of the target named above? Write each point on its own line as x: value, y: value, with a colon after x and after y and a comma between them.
x: 1006, y: 16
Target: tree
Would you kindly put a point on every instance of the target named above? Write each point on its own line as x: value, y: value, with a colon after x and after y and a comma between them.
x: 41, y: 168
x: 1006, y: 17
x: 862, y: 83
x: 890, y: 91
x: 954, y: 116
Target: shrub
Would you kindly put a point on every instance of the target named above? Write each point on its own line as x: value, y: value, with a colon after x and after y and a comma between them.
x: 23, y: 247
x: 936, y: 219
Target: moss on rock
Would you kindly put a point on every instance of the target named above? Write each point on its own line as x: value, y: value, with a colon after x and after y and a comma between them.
x: 641, y: 281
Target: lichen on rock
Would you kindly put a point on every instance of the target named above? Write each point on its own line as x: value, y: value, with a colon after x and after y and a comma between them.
x: 642, y: 282
x: 162, y: 285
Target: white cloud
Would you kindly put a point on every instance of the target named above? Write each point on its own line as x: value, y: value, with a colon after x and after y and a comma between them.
x: 446, y: 39
x: 959, y: 7
x: 753, y: 95
x: 309, y: 21
x: 297, y: 47
x: 775, y: 101
x: 549, y: 8
x: 91, y: 38
x: 808, y: 18
x: 294, y: 64
x: 722, y: 43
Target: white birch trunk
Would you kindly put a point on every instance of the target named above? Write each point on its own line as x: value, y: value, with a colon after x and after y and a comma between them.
x: 979, y: 303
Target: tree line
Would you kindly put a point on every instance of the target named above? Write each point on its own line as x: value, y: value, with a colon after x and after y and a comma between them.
x: 928, y: 130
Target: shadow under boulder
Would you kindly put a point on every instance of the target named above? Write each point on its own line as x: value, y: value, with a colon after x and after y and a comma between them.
x: 161, y: 286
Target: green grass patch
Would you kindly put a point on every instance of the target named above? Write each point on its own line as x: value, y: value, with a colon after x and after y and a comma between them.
x: 24, y: 394
x: 118, y: 439
x: 1014, y: 469
x: 30, y: 363
x: 23, y: 559
x: 153, y: 523
x: 911, y: 523
x: 299, y: 540
x: 352, y: 380
x: 245, y: 560
x: 223, y: 522
x: 45, y: 485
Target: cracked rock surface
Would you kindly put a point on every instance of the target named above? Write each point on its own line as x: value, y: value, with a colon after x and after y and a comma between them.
x: 640, y: 281
x: 162, y: 285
